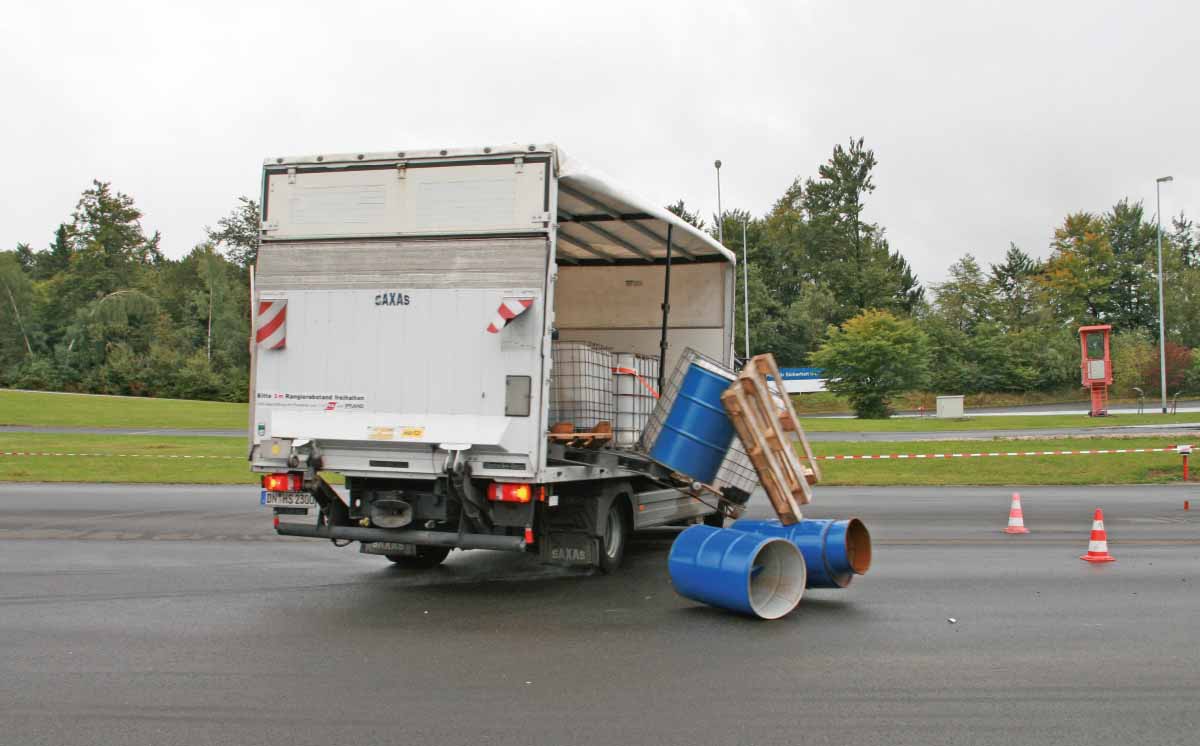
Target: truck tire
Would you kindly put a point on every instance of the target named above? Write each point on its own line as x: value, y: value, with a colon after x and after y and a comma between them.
x: 614, y: 536
x: 426, y: 558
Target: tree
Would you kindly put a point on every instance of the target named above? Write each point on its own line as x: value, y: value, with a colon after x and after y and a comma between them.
x: 15, y: 296
x: 108, y: 222
x: 1179, y: 362
x: 1081, y: 271
x: 965, y: 299
x: 1182, y: 301
x: 1185, y: 236
x: 1015, y: 289
x: 871, y: 358
x: 1133, y: 293
x: 238, y: 233
x: 818, y: 229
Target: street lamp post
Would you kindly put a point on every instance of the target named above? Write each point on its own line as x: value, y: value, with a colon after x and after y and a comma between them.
x: 720, y: 217
x: 1162, y: 335
x: 745, y: 288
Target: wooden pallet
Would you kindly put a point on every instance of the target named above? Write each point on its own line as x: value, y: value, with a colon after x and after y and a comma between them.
x: 565, y: 433
x: 767, y: 424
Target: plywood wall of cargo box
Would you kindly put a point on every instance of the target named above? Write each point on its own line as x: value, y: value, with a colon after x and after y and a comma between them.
x: 621, y: 307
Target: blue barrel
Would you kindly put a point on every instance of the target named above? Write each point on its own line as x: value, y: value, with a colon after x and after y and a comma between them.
x: 834, y: 551
x: 757, y: 575
x: 697, y: 433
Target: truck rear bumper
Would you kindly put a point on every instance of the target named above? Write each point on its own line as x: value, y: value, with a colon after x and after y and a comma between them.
x: 403, y: 536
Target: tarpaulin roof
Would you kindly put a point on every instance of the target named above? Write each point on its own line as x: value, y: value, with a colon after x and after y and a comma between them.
x: 601, y: 222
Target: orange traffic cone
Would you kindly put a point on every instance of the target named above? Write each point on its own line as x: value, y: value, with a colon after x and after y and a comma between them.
x: 1016, y: 519
x: 1098, y: 546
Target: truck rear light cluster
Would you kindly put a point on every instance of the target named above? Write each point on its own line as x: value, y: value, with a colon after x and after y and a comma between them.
x: 289, y: 482
x: 513, y: 493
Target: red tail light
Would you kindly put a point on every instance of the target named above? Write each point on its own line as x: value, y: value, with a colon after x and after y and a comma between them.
x: 290, y: 482
x: 511, y: 493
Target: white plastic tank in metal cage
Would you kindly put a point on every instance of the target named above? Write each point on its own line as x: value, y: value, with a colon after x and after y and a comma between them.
x: 582, y: 391
x: 637, y: 382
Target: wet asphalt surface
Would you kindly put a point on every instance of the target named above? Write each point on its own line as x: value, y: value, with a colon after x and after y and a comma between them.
x: 173, y: 615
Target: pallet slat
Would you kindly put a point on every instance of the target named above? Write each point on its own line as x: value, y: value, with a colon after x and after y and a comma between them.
x: 789, y: 419
x: 764, y: 459
x: 766, y: 422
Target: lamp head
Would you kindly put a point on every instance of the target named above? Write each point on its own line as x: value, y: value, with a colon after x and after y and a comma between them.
x: 718, y: 165
x: 1165, y: 179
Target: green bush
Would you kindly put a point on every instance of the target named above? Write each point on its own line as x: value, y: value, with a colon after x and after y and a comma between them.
x: 871, y: 358
x: 36, y: 373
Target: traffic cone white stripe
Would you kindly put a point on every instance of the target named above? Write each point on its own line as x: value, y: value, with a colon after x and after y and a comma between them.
x: 1016, y: 517
x: 1098, y: 541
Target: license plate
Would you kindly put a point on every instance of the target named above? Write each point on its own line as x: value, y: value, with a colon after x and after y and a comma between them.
x: 287, y: 498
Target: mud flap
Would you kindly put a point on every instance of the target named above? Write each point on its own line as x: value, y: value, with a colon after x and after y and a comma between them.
x: 569, y: 548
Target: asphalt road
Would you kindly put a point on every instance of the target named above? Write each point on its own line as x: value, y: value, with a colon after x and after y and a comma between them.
x: 172, y: 615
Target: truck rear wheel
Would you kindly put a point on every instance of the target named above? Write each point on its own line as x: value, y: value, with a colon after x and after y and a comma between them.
x: 425, y: 558
x: 615, y: 536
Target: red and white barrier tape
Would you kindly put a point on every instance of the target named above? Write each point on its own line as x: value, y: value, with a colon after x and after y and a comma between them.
x: 982, y: 454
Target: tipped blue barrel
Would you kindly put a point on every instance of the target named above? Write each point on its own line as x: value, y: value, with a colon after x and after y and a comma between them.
x: 697, y: 433
x: 761, y: 576
x: 834, y: 551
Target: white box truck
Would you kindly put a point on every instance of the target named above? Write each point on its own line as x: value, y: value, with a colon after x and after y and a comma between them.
x: 408, y: 311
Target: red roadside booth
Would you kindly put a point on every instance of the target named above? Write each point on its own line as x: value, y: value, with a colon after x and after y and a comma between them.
x: 1096, y: 365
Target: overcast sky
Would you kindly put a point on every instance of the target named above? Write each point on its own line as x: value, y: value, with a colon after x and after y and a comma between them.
x: 990, y: 121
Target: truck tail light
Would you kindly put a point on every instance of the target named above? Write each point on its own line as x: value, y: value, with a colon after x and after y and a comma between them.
x: 512, y: 493
x: 289, y: 482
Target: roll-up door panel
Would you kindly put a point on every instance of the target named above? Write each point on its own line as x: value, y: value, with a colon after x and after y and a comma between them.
x: 394, y: 200
x: 411, y: 263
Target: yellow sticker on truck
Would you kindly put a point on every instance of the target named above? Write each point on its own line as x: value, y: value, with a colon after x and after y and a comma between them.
x: 409, y: 431
x: 381, y: 433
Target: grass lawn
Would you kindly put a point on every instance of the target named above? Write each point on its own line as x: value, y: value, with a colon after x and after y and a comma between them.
x: 1117, y: 468
x: 85, y: 410
x: 825, y: 402
x: 1000, y: 422
x: 127, y: 458
x: 124, y: 458
x: 138, y: 458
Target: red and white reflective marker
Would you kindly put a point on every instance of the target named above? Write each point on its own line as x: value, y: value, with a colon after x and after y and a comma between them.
x: 510, y: 308
x: 272, y: 324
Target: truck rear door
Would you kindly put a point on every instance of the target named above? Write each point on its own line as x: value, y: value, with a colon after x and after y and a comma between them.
x: 401, y: 307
